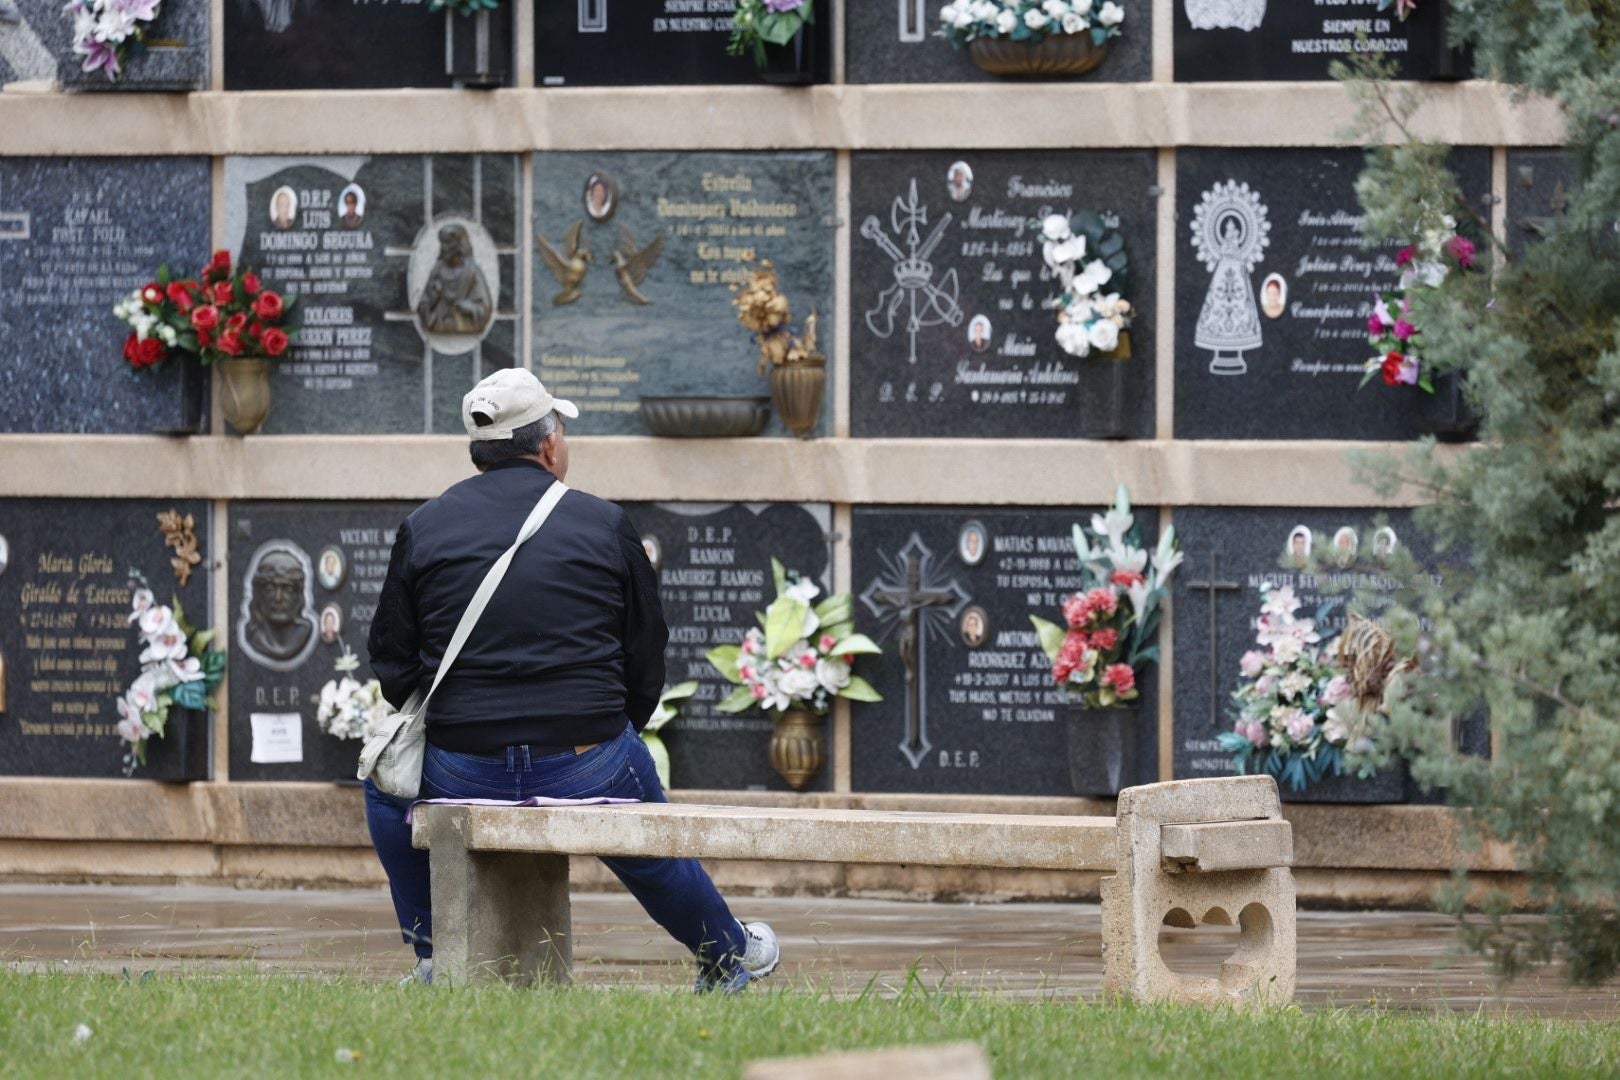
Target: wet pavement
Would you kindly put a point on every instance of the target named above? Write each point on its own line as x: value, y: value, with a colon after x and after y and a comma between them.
x: 1396, y: 959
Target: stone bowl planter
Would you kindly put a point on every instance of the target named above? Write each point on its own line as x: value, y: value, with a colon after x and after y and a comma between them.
x: 1055, y: 56
x: 706, y: 417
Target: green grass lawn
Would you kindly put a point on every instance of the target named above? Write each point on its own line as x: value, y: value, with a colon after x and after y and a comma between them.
x: 249, y: 1024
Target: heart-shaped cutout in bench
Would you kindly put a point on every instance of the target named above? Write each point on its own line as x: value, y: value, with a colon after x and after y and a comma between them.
x: 1212, y: 954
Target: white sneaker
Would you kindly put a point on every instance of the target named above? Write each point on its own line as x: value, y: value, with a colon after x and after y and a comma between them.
x: 421, y: 973
x: 763, y: 953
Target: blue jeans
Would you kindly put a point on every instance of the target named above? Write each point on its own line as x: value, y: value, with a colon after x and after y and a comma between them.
x: 677, y: 893
x: 406, y: 867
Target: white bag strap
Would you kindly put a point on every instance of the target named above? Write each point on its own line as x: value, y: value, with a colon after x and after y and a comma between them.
x: 492, y: 580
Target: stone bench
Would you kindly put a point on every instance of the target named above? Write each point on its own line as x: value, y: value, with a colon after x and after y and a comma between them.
x: 1186, y: 853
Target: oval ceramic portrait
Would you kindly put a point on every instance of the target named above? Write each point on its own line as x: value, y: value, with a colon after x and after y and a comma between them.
x: 5, y: 554
x: 1346, y: 543
x: 974, y: 627
x: 601, y: 196
x: 284, y: 207
x: 1274, y: 296
x: 654, y: 550
x: 971, y: 543
x: 979, y: 332
x: 1384, y: 543
x: 959, y: 181
x: 1298, y: 548
x: 331, y: 624
x: 352, y: 206
x: 331, y: 568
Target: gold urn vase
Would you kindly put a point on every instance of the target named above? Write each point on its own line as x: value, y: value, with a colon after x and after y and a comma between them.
x: 798, y: 746
x: 796, y: 389
x: 245, y: 392
x: 1055, y: 56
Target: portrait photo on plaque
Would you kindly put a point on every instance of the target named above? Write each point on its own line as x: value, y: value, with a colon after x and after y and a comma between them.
x: 959, y: 181
x: 352, y: 206
x: 331, y: 569
x: 975, y: 627
x: 979, y: 333
x: 1384, y: 543
x: 971, y: 543
x: 284, y: 207
x: 654, y: 550
x: 1345, y: 545
x: 331, y: 624
x: 1298, y: 550
x: 1274, y: 297
x: 601, y: 196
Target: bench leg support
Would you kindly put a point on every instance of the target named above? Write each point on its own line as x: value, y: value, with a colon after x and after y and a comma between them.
x: 1145, y: 895
x: 499, y: 916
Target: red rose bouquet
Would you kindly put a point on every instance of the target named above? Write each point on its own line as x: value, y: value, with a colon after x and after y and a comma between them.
x: 1111, y: 624
x: 219, y: 315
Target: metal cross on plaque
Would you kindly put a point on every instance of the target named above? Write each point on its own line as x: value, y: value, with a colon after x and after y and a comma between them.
x: 1214, y: 586
x: 593, y: 16
x: 915, y: 598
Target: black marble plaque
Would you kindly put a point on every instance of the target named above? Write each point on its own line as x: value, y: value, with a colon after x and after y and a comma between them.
x: 652, y: 42
x: 692, y: 218
x: 1540, y: 186
x: 950, y: 331
x: 68, y: 649
x: 398, y: 319
x: 74, y: 242
x: 986, y: 719
x: 328, y: 561
x: 895, y: 41
x: 1261, y: 40
x: 1273, y: 290
x: 714, y: 573
x: 349, y: 44
x: 1238, y: 550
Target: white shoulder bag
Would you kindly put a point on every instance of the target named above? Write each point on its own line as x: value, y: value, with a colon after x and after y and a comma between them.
x: 392, y: 758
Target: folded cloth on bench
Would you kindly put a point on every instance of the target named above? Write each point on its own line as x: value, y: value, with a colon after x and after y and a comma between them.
x: 533, y: 800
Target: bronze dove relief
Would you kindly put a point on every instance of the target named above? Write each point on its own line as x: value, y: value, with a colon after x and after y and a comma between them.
x: 631, y: 266
x: 569, y: 269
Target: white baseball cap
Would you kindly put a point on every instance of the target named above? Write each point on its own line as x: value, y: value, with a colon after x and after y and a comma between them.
x: 507, y: 400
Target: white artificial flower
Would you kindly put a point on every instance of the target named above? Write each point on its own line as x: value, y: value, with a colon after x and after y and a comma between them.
x: 1035, y: 20
x: 804, y: 589
x: 132, y: 730
x: 169, y: 644
x: 948, y: 13
x: 1056, y: 228
x: 1111, y: 14
x: 143, y: 693
x: 1072, y: 339
x: 156, y: 620
x: 1006, y: 22
x: 1114, y: 525
x: 1081, y: 7
x: 1334, y: 732
x: 1075, y: 24
x: 964, y: 19
x: 798, y: 684
x: 1071, y: 250
x: 984, y: 9
x: 1104, y: 336
x: 139, y: 603
x: 1055, y: 8
x: 1092, y: 278
x: 832, y: 674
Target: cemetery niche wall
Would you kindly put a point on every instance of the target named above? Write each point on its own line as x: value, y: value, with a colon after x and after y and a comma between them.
x: 36, y: 44
x: 363, y: 44
x: 74, y: 242
x: 67, y: 649
x: 714, y: 572
x: 304, y: 582
x: 951, y: 331
x: 1540, y: 185
x: 1273, y: 291
x: 900, y: 41
x: 1230, y: 554
x: 969, y: 705
x: 660, y: 42
x: 635, y: 256
x: 408, y: 267
x: 1244, y: 40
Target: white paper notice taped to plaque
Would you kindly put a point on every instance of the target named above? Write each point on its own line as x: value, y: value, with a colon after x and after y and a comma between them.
x: 278, y: 738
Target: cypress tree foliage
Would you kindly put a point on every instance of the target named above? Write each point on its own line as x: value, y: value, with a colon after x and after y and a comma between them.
x: 1526, y: 627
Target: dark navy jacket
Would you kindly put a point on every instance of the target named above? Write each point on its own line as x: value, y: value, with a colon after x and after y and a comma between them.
x: 571, y: 644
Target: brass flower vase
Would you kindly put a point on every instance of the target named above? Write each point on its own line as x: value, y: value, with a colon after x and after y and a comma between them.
x: 798, y: 746
x: 245, y: 392
x: 1055, y: 56
x: 796, y: 388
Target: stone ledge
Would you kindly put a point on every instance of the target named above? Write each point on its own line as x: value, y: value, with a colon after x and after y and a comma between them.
x: 874, y: 471
x: 100, y: 815
x: 856, y: 117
